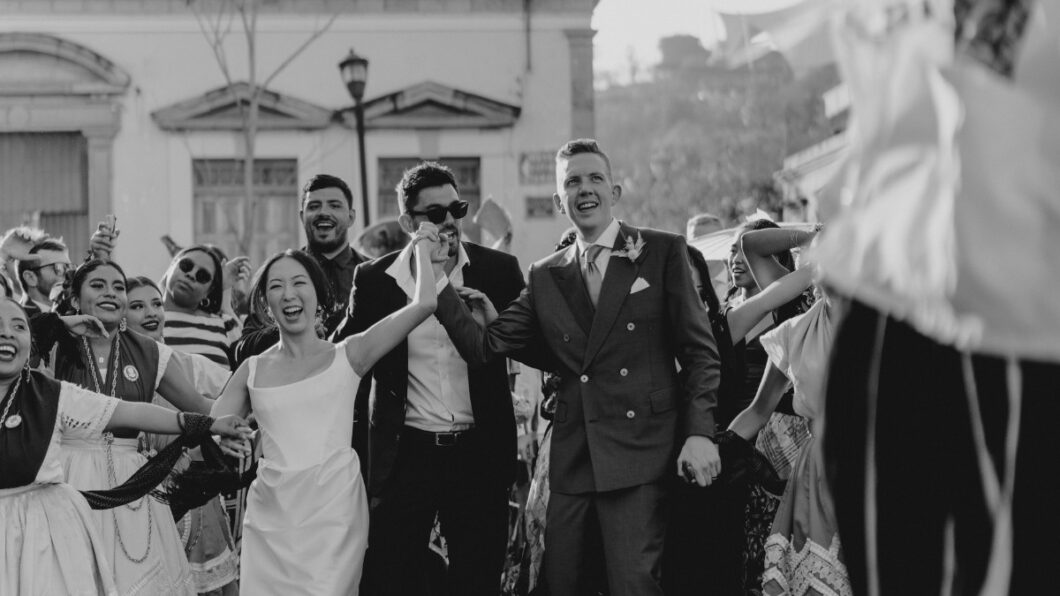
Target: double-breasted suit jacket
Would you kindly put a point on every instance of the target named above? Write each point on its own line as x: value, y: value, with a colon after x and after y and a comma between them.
x: 376, y: 295
x: 622, y: 407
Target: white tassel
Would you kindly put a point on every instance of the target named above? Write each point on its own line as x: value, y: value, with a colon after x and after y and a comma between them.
x: 871, y: 545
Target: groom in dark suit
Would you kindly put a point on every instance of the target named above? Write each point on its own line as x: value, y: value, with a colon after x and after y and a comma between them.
x: 441, y: 437
x: 616, y: 309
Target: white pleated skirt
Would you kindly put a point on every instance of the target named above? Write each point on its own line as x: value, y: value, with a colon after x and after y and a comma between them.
x: 49, y: 544
x: 140, y: 540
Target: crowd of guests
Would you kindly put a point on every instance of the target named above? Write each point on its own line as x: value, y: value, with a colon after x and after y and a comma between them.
x: 691, y: 443
x: 438, y: 452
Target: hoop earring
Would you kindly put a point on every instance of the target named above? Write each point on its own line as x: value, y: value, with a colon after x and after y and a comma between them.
x: 204, y: 304
x: 123, y: 326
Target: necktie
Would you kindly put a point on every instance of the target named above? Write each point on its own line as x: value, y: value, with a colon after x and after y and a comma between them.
x: 591, y: 272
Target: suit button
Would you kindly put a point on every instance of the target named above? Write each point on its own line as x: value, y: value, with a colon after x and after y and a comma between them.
x: 630, y: 414
x: 585, y: 378
x: 566, y: 337
x: 623, y: 372
x: 630, y: 326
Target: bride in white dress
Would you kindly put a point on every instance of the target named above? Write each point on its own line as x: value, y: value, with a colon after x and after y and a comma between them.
x: 306, y: 525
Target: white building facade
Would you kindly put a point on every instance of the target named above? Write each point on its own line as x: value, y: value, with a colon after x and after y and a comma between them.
x: 114, y: 106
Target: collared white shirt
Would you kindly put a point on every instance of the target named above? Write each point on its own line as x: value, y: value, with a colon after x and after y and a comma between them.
x: 607, y: 241
x: 439, y: 393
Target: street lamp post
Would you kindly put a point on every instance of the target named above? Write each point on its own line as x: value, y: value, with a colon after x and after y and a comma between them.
x: 354, y: 71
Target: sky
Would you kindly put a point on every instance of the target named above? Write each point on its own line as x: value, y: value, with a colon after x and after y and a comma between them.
x: 635, y: 26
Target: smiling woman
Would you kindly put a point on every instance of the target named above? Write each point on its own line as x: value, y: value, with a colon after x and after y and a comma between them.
x: 50, y: 543
x: 144, y: 546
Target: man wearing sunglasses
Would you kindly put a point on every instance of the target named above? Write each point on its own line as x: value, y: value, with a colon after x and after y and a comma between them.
x: 617, y: 310
x: 40, y: 278
x: 441, y: 438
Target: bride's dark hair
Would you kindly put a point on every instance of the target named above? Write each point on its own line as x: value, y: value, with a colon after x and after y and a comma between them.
x: 259, y: 304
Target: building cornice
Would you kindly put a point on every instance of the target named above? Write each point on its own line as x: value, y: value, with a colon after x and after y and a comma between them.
x: 431, y: 105
x: 96, y: 76
x: 220, y: 109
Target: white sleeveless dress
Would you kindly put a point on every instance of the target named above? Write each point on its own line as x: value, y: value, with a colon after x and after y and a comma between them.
x: 306, y: 526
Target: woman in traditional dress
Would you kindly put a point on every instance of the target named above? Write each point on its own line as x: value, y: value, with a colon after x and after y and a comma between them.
x: 761, y: 295
x: 142, y: 541
x: 50, y: 542
x: 204, y: 531
x: 802, y: 553
x: 306, y: 525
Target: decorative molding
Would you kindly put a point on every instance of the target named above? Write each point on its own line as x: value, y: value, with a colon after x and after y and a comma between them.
x: 220, y: 109
x: 71, y: 69
x: 430, y: 105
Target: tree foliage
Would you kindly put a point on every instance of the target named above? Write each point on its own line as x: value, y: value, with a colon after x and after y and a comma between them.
x: 703, y: 137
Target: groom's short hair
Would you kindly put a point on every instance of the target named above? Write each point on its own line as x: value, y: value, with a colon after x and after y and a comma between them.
x: 572, y: 148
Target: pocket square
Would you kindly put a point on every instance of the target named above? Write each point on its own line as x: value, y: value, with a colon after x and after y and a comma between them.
x: 638, y: 285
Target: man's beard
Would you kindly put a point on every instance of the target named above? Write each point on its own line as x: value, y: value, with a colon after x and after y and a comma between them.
x: 326, y: 246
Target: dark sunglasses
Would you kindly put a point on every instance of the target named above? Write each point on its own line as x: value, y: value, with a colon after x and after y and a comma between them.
x: 202, y: 275
x: 436, y: 213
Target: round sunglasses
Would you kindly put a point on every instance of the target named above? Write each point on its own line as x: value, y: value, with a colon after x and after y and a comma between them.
x: 202, y: 275
x: 436, y: 213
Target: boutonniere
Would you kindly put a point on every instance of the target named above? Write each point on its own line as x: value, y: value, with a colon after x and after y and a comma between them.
x: 633, y: 248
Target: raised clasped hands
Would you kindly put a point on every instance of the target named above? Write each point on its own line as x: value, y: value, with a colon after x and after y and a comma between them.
x: 436, y: 244
x: 699, y: 461
x: 235, y: 435
x: 482, y: 309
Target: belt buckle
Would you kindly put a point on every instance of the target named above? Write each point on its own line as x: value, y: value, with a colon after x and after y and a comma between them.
x: 446, y: 439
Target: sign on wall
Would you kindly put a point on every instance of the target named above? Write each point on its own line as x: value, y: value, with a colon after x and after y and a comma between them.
x: 537, y: 167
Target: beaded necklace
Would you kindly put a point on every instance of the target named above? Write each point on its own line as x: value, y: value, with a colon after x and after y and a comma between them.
x: 13, y: 420
x: 108, y: 439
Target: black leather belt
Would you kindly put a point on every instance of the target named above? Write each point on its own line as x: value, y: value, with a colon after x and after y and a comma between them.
x: 437, y: 439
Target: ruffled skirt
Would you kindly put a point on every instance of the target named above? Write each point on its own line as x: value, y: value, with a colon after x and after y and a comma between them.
x: 803, y: 554
x: 50, y: 544
x: 141, y: 541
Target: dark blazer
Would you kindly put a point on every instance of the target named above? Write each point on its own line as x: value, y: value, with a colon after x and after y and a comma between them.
x: 621, y: 407
x: 375, y: 295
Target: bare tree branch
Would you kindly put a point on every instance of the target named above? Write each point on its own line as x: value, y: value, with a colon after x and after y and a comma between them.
x: 305, y: 44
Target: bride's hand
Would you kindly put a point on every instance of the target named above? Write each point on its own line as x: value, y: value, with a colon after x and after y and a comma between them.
x: 436, y: 245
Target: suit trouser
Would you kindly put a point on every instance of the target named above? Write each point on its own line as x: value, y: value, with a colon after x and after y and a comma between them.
x: 631, y: 523
x: 930, y: 525
x: 706, y: 540
x: 472, y: 507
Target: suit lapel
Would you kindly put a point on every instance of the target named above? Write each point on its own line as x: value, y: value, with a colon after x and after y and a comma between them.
x: 471, y: 277
x: 621, y: 272
x: 568, y: 278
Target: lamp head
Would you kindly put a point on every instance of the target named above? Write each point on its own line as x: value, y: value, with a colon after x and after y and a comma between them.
x: 354, y: 71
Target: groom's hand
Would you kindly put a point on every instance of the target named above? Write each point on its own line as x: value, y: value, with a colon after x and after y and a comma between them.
x: 699, y: 461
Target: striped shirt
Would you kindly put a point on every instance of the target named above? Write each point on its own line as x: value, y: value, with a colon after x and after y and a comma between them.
x: 210, y: 336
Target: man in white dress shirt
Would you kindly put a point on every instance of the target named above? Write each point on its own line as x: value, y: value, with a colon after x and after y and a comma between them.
x: 441, y: 438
